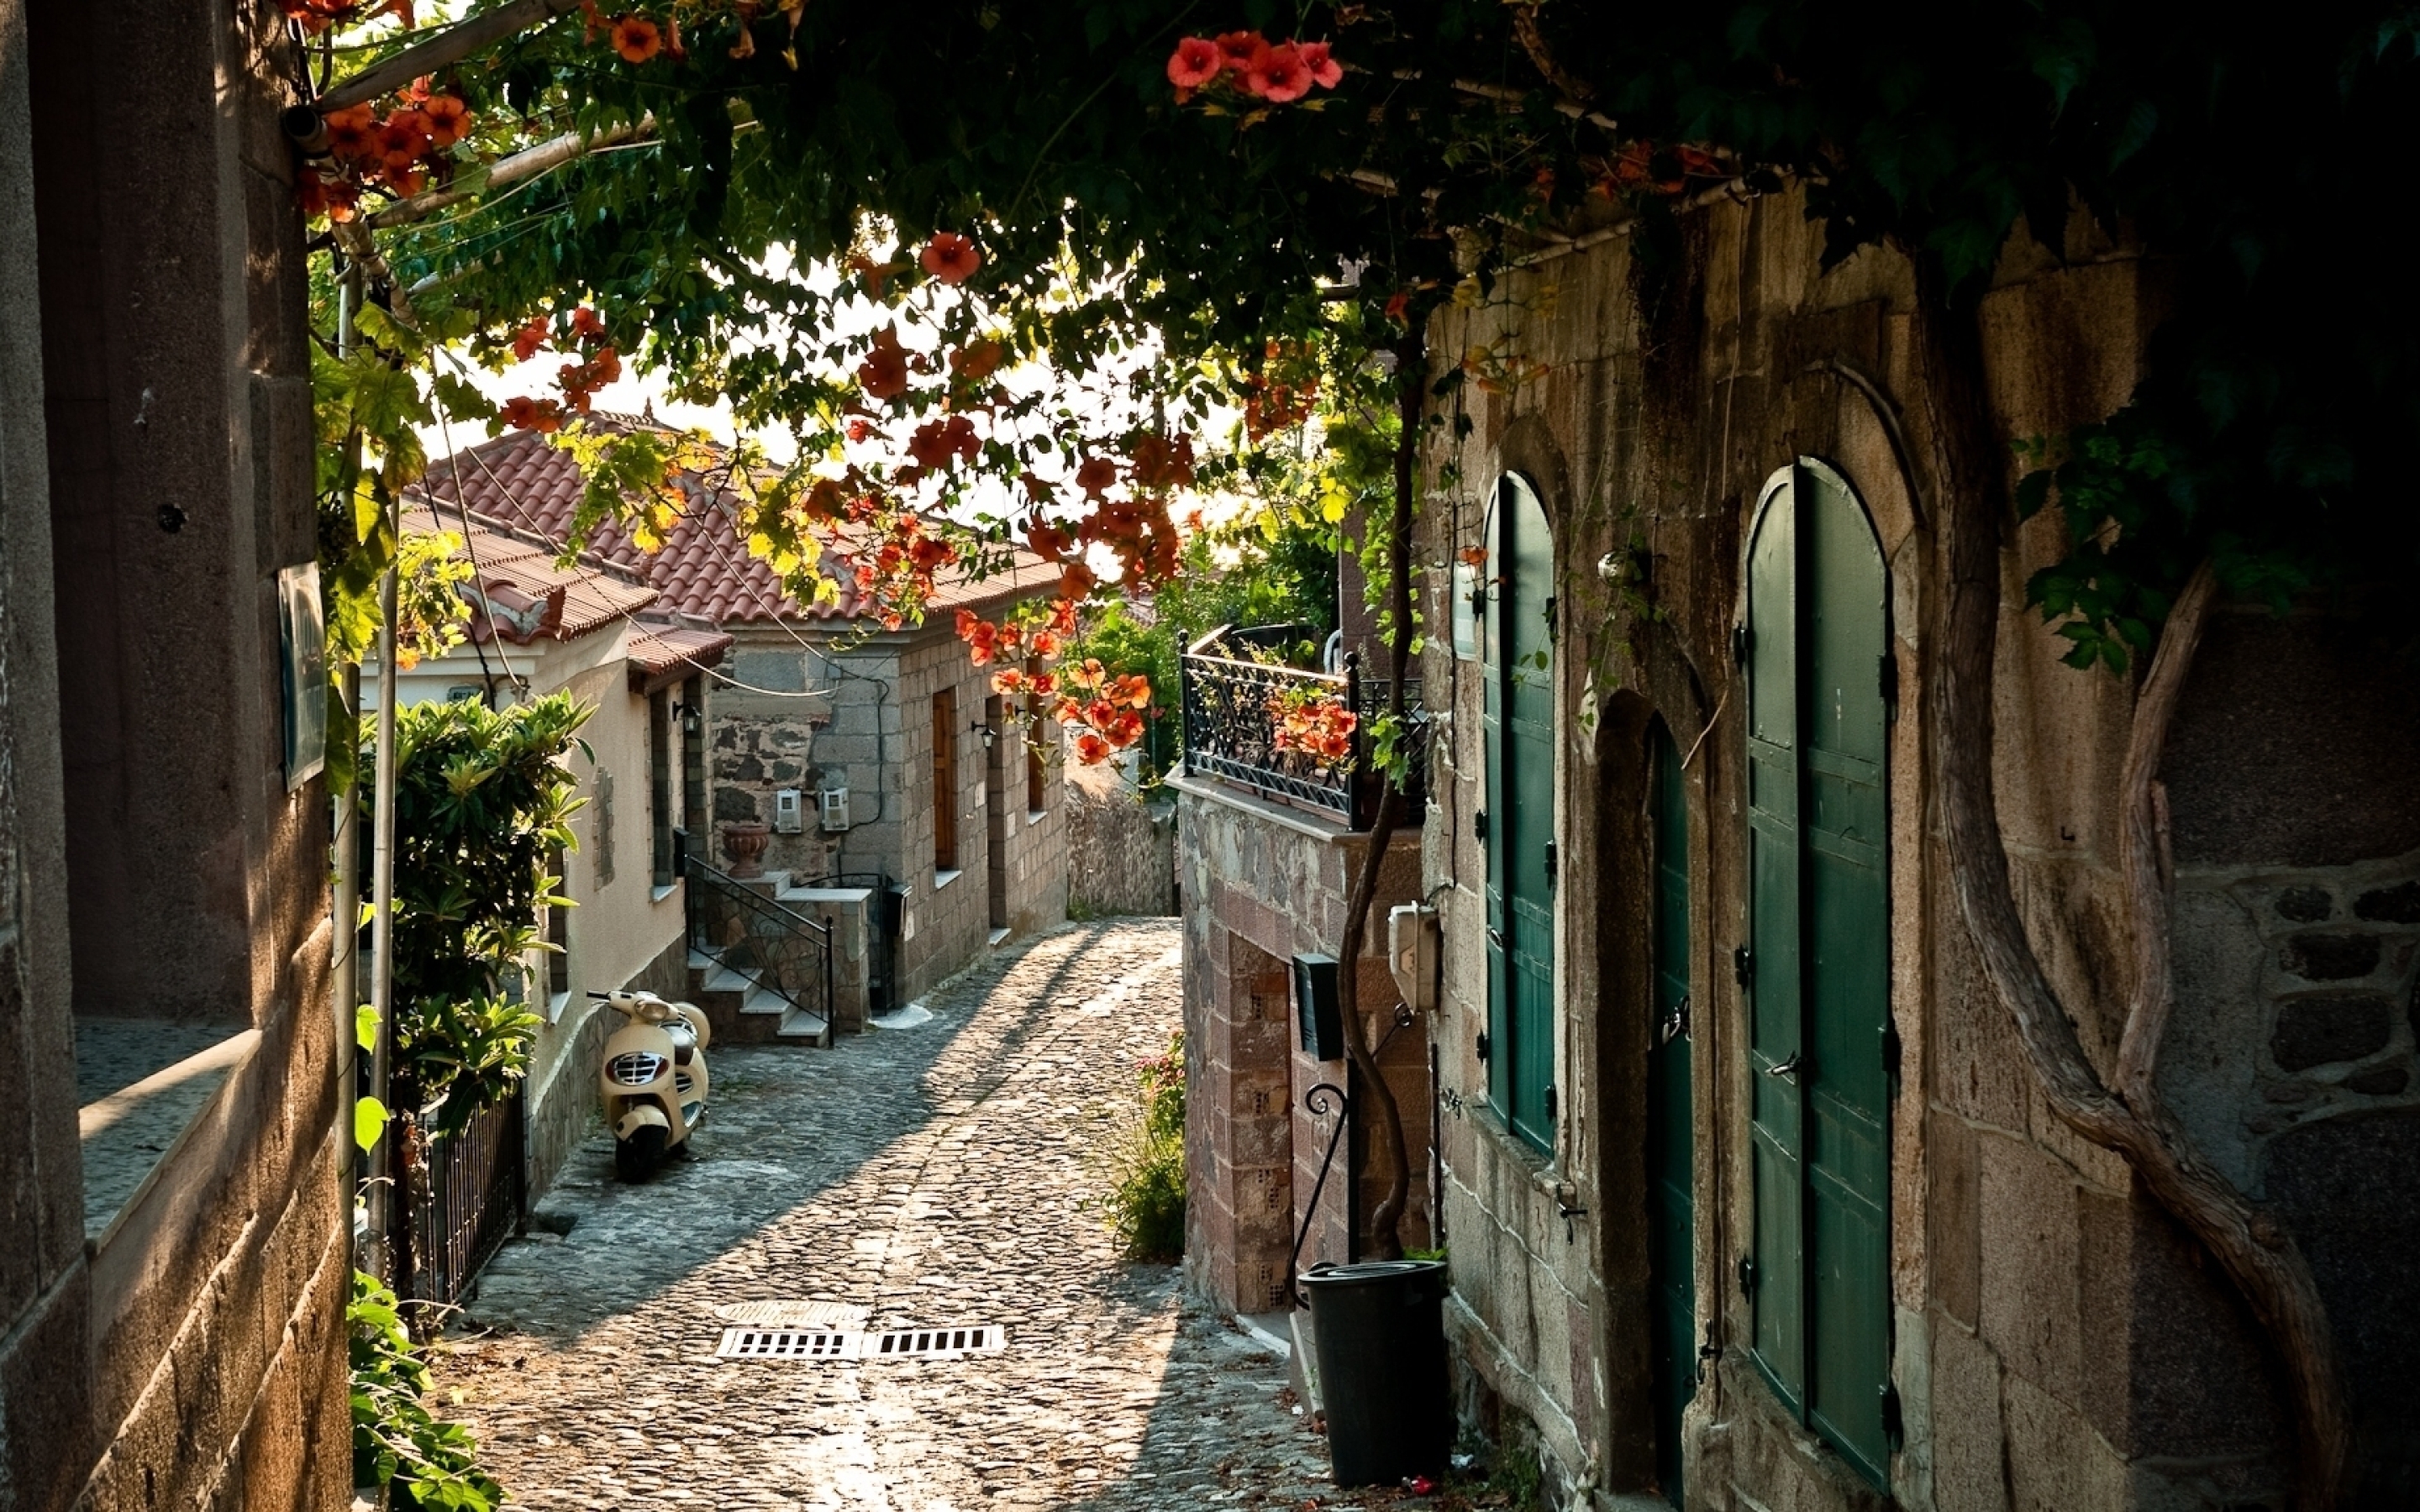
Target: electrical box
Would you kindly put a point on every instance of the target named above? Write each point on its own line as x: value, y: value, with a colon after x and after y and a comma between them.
x: 834, y: 805
x: 789, y: 813
x: 1412, y: 954
x: 1315, y: 1005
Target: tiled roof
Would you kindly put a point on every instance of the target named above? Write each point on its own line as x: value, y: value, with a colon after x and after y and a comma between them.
x: 520, y: 594
x: 664, y: 652
x: 704, y: 569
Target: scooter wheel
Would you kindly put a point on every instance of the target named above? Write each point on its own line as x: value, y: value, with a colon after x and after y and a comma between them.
x: 636, y: 1158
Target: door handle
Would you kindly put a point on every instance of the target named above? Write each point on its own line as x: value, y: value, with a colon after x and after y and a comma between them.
x: 1676, y: 1023
x: 1786, y: 1070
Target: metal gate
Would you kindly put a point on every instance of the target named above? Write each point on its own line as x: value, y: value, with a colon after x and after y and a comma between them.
x: 465, y: 1195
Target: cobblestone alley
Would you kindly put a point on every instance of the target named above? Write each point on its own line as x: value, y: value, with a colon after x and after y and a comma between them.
x: 939, y: 1174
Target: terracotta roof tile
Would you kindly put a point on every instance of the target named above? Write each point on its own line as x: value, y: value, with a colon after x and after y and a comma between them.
x: 520, y: 593
x: 703, y: 570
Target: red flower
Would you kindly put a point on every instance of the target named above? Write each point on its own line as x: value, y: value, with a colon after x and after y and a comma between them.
x: 1196, y: 61
x: 352, y: 133
x: 1398, y: 304
x: 529, y: 338
x: 637, y: 38
x: 1076, y: 581
x: 859, y: 429
x: 976, y: 361
x: 526, y: 413
x: 1097, y: 475
x: 1279, y: 75
x: 1048, y: 541
x: 883, y: 375
x: 951, y: 258
x: 585, y: 323
x: 334, y: 198
x: 449, y: 118
x: 1240, y: 48
x: 1324, y: 70
x: 1092, y: 749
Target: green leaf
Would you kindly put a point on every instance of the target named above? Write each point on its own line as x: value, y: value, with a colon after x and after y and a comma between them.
x: 365, y: 1026
x: 370, y: 1122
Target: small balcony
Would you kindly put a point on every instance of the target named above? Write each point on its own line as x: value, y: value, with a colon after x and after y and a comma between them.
x: 1279, y: 732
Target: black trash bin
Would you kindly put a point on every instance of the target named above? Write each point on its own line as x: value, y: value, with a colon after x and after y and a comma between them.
x: 1379, y: 1329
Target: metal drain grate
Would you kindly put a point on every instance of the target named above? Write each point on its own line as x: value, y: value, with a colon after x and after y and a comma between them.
x: 899, y: 1342
x: 836, y: 1344
x: 785, y: 1344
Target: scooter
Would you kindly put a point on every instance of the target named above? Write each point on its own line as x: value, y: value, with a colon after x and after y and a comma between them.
x: 654, y: 1079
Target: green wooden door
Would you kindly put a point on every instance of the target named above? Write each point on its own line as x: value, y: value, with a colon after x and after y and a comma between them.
x: 1673, y: 1321
x: 1517, y: 717
x: 1818, y: 969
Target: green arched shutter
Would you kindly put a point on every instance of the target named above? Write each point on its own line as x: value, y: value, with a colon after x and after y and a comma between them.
x: 1517, y: 712
x: 1818, y: 971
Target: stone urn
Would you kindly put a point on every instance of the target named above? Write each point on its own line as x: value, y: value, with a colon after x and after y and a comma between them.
x: 744, y: 841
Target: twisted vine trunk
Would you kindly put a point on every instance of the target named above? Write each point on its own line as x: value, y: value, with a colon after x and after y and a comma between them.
x: 1386, y: 1243
x: 2255, y: 1250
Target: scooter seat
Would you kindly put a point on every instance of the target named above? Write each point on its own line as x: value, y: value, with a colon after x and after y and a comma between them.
x: 684, y: 1041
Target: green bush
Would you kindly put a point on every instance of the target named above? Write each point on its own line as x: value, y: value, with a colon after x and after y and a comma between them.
x: 1147, y: 1204
x: 424, y: 1463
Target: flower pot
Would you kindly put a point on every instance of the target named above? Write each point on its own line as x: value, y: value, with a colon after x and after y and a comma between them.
x: 744, y: 843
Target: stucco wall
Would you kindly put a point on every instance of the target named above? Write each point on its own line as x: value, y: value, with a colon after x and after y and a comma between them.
x: 2057, y: 1341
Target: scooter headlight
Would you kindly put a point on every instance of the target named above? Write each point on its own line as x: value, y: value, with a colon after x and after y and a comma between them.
x: 636, y: 1069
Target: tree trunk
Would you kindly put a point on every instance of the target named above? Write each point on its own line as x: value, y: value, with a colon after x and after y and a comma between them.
x: 2256, y: 1252
x: 1386, y: 1243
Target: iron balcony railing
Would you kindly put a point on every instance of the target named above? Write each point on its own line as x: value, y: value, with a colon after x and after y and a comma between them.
x: 1232, y: 726
x: 786, y: 951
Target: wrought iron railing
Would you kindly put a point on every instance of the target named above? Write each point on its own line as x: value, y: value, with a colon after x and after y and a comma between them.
x: 1232, y: 726
x: 464, y: 1197
x: 786, y: 951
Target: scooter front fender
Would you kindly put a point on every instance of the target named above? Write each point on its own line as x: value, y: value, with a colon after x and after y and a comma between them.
x: 638, y: 1115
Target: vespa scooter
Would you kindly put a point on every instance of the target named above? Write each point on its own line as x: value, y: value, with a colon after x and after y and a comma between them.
x: 654, y: 1079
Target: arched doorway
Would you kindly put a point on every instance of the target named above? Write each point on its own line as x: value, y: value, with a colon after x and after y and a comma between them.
x: 1518, y: 720
x: 1673, y: 1321
x: 1818, y: 966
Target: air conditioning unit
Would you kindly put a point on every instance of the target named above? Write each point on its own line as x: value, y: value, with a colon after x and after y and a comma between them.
x: 789, y: 813
x: 834, y: 804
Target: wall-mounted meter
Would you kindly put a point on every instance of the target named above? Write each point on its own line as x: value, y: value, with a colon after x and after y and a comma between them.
x: 789, y: 813
x: 834, y: 803
x: 1412, y: 954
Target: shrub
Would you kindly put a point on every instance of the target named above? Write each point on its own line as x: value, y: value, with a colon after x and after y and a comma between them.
x: 397, y: 1443
x: 1147, y: 1204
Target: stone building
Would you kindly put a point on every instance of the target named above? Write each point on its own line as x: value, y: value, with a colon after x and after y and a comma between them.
x: 176, y: 1160
x: 1750, y: 1194
x: 540, y: 627
x: 877, y: 762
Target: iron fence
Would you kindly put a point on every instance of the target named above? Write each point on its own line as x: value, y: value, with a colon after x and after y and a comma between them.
x: 788, y: 952
x: 1230, y: 712
x: 464, y: 1194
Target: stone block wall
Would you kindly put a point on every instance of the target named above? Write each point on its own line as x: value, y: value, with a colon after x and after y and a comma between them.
x: 1260, y: 886
x: 1121, y: 850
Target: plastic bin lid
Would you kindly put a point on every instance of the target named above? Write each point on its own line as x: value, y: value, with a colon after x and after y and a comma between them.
x: 1368, y: 1273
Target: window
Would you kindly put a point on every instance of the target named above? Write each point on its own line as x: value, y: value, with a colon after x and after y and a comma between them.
x: 1517, y: 729
x: 945, y: 780
x: 660, y: 787
x: 1818, y: 962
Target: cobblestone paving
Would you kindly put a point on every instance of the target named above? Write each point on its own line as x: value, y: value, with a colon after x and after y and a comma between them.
x: 934, y: 1175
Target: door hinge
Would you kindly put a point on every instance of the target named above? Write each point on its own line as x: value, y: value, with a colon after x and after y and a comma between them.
x: 1743, y: 966
x: 1553, y: 869
x: 1747, y: 1275
x: 1709, y: 1353
x: 1495, y: 937
x: 1485, y: 1048
x: 1890, y: 1055
x: 1479, y: 826
x: 1550, y: 616
x: 1894, y: 1420
x: 1890, y: 683
x: 1553, y: 1103
x: 1739, y: 645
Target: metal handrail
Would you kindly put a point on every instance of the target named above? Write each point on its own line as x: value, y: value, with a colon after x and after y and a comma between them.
x: 767, y: 932
x: 1229, y: 734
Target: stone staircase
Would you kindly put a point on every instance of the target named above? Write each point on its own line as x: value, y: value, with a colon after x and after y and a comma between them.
x: 743, y: 1010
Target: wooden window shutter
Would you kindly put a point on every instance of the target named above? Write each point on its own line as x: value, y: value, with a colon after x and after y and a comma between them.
x: 945, y: 780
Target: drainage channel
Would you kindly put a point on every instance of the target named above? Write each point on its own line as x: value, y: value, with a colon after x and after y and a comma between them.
x: 849, y: 1343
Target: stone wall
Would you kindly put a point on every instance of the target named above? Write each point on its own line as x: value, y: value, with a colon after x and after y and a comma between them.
x: 2057, y: 1340
x: 179, y: 1342
x: 1120, y: 851
x: 1261, y: 883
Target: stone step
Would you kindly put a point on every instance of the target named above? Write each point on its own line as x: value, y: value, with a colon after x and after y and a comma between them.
x: 798, y: 1024
x: 724, y: 979
x: 764, y: 1000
